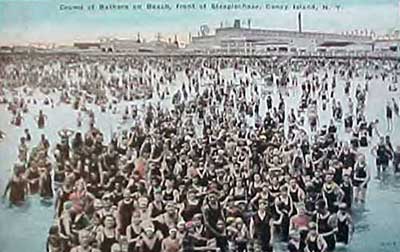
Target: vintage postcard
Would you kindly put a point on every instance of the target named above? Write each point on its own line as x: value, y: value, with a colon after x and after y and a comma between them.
x: 199, y: 125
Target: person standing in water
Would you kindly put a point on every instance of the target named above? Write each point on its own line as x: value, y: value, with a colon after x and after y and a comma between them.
x: 382, y: 156
x: 41, y: 119
x: 345, y: 227
x: 18, y: 187
x: 389, y: 117
x: 314, y: 242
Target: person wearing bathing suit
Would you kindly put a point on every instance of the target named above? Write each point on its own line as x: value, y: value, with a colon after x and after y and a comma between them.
x: 345, y: 227
x: 108, y: 236
x: 41, y: 119
x: 17, y: 186
x: 315, y: 242
x: 84, y: 243
x: 361, y: 177
x: 150, y: 239
x: 325, y: 225
x: 262, y: 228
x: 133, y: 232
x: 212, y: 212
x: 299, y: 224
x: 396, y: 160
x: 284, y: 209
x: 171, y: 243
x: 382, y: 155
x: 331, y: 192
x: 124, y: 212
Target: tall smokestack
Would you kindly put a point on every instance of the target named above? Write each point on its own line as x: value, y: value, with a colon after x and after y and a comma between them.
x: 299, y: 22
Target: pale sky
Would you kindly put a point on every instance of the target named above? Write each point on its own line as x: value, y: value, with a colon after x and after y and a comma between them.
x: 42, y: 21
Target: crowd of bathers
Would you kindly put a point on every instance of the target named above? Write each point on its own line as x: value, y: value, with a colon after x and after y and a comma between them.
x: 228, y: 165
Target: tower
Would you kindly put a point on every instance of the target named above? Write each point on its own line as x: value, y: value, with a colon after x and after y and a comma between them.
x: 299, y: 22
x: 176, y: 42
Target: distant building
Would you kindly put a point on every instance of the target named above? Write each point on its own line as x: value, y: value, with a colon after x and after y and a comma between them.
x: 136, y: 46
x: 87, y: 45
x: 237, y: 39
x: 387, y: 45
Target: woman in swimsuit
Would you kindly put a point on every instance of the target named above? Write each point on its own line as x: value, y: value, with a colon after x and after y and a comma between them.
x: 124, y: 212
x: 150, y: 239
x: 345, y: 226
x: 361, y: 178
x: 314, y: 242
x: 133, y: 232
x: 382, y: 154
x: 284, y: 208
x: 108, y: 236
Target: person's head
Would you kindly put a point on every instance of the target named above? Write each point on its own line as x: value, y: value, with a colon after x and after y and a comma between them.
x: 239, y: 223
x: 262, y: 204
x: 284, y: 191
x: 170, y: 208
x: 321, y: 206
x: 116, y: 247
x: 149, y: 229
x: 312, y: 229
x: 346, y: 178
x: 143, y: 202
x: 329, y: 176
x: 136, y: 218
x: 293, y: 182
x: 191, y: 194
x: 109, y: 221
x: 181, y: 226
x: 80, y: 185
x: 84, y: 238
x: 157, y: 195
x: 212, y: 197
x: 342, y: 207
x: 173, y: 232
x: 127, y: 195
x: 169, y: 183
x: 221, y: 225
x: 107, y: 200
x: 96, y: 219
x: 301, y: 209
x: 361, y: 159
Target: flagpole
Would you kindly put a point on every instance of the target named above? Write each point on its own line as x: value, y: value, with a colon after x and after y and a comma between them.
x: 398, y: 33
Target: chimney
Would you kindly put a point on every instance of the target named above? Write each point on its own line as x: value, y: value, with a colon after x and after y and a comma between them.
x: 299, y: 22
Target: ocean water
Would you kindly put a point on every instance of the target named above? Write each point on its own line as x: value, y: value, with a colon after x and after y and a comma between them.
x: 377, y: 223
